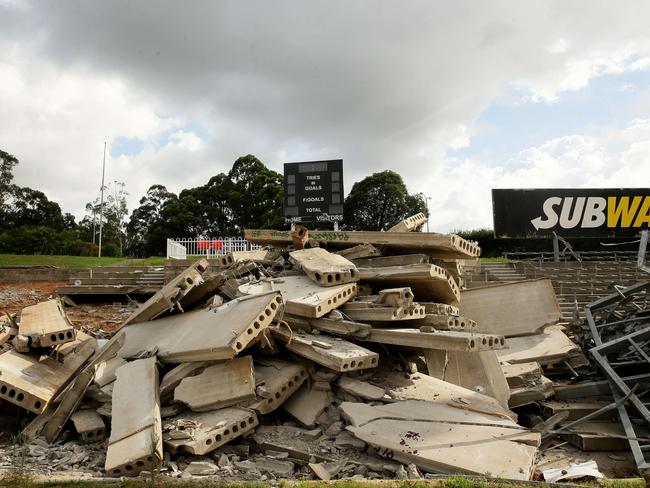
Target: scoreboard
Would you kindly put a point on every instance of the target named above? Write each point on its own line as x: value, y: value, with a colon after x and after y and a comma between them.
x: 313, y: 191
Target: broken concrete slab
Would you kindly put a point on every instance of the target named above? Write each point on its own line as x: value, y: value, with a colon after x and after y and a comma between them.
x: 275, y: 381
x: 218, y: 386
x: 440, y: 308
x: 135, y: 443
x: 175, y: 375
x: 444, y: 322
x: 105, y: 371
x: 46, y: 324
x: 478, y: 371
x: 447, y: 245
x: 512, y: 309
x: 327, y: 471
x: 262, y: 256
x: 89, y: 425
x: 166, y: 298
x: 520, y: 374
x: 429, y: 282
x: 361, y: 389
x: 302, y: 296
x: 323, y: 267
x: 549, y: 346
x: 409, y: 224
x: 383, y: 261
x: 275, y: 467
x: 307, y: 404
x: 201, y: 433
x: 332, y: 352
x: 204, y: 335
x: 359, y: 251
x: 335, y: 326
x: 533, y: 392
x: 444, y: 339
x: 438, y: 438
x: 374, y: 312
x: 32, y: 382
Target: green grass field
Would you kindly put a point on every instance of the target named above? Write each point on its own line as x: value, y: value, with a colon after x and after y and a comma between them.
x: 74, y: 261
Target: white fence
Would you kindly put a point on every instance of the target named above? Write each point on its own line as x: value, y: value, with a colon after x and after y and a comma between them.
x: 216, y: 246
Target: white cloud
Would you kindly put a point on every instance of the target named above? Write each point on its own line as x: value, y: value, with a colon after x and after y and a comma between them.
x: 619, y: 159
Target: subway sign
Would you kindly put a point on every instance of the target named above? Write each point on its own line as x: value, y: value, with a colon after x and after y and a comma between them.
x: 313, y: 191
x: 584, y: 212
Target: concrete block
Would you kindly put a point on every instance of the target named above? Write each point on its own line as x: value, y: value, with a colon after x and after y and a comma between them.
x: 323, y: 267
x: 89, y: 425
x: 275, y: 381
x: 46, y: 324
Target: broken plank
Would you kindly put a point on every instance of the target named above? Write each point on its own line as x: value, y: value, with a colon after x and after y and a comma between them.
x: 135, y: 443
x: 444, y: 339
x: 359, y: 388
x: 302, y: 296
x: 307, y: 404
x: 202, y: 433
x: 275, y: 381
x: 220, y: 385
x: 533, y: 392
x: 263, y: 256
x: 428, y: 281
x: 323, y: 267
x: 89, y: 425
x: 46, y: 324
x: 444, y: 322
x: 448, y: 245
x: 512, y: 309
x: 384, y: 261
x: 332, y: 352
x: 175, y: 375
x: 204, y: 335
x: 341, y: 327
x: 367, y: 312
x: 521, y: 374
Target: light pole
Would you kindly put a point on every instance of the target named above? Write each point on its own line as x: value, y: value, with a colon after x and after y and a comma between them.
x: 101, y: 204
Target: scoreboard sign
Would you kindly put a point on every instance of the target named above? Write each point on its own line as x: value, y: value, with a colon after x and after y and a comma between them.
x: 593, y: 212
x: 313, y: 191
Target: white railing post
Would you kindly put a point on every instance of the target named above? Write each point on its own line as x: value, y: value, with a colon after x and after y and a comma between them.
x: 176, y: 250
x: 205, y: 247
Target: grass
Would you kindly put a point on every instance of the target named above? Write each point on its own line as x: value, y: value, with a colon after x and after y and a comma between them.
x: 74, y: 261
x: 494, y: 260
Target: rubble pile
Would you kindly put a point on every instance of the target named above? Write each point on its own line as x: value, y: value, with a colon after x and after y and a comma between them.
x: 325, y: 355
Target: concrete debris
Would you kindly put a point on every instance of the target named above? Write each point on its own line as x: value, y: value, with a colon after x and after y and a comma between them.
x: 218, y: 386
x: 135, y: 443
x: 332, y: 355
x: 588, y: 469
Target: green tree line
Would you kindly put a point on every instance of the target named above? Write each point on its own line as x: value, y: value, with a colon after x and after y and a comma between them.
x: 250, y: 195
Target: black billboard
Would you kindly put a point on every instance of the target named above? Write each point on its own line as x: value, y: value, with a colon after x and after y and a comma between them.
x: 313, y: 191
x: 583, y: 212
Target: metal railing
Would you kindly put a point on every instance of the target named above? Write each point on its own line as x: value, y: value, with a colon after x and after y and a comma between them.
x: 182, y: 248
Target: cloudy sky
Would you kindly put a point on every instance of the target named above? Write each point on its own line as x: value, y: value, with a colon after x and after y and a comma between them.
x: 457, y: 96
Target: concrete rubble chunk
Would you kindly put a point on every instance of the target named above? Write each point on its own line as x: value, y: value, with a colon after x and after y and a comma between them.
x: 218, y: 386
x: 551, y: 345
x: 427, y: 281
x: 175, y: 375
x: 445, y: 322
x: 89, y: 425
x: 32, y: 383
x: 327, y: 471
x: 201, y: 468
x: 267, y: 465
x: 409, y: 224
x: 169, y: 295
x: 332, y: 352
x: 476, y: 371
x: 383, y: 261
x: 135, y: 443
x: 359, y: 251
x: 307, y: 404
x: 449, y: 340
x: 263, y: 256
x: 105, y: 371
x: 441, y: 439
x: 46, y: 324
x: 325, y: 268
x: 204, y: 335
x: 302, y: 296
x: 275, y: 381
x: 201, y: 433
x: 359, y: 388
x: 512, y: 309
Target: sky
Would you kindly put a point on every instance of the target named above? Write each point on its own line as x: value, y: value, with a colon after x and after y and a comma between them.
x: 458, y: 97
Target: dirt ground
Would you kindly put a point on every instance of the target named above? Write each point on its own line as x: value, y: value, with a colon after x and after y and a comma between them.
x: 93, y: 316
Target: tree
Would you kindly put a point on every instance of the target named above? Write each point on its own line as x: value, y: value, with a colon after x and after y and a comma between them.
x: 146, y: 229
x: 7, y: 163
x: 256, y: 196
x: 114, y: 229
x: 380, y: 201
x: 32, y: 208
